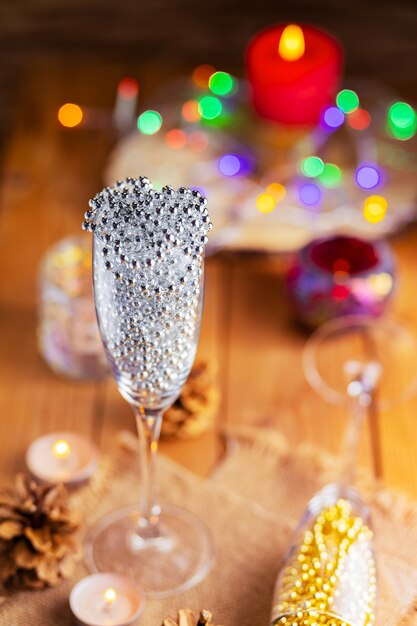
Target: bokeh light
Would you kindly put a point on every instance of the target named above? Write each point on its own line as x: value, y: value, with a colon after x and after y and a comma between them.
x: 310, y: 194
x: 312, y: 166
x: 374, y: 209
x: 176, y: 138
x: 340, y: 292
x: 201, y: 75
x: 265, y: 203
x: 198, y: 141
x: 200, y: 190
x: 381, y: 284
x: 401, y: 114
x: 359, y: 119
x: 210, y: 107
x: 402, y: 121
x: 333, y: 117
x: 367, y: 176
x: 229, y: 164
x: 128, y: 88
x: 331, y: 175
x: 221, y: 83
x: 347, y: 100
x: 277, y: 191
x: 70, y: 115
x: 149, y: 122
x: 190, y: 111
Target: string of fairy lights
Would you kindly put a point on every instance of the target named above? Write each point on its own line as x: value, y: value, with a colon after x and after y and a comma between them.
x: 216, y: 106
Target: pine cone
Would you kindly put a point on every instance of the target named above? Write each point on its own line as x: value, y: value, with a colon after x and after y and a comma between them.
x: 195, y: 410
x: 39, y: 541
x: 189, y: 618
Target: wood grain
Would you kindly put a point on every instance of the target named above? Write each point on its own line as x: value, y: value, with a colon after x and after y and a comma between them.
x: 48, y: 175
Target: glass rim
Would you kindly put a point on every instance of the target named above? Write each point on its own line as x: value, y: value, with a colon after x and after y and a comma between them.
x: 319, y: 384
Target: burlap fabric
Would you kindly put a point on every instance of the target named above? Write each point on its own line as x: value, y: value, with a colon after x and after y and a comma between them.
x: 251, y: 504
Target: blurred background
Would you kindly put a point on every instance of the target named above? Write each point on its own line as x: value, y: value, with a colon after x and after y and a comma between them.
x: 378, y: 36
x: 77, y: 51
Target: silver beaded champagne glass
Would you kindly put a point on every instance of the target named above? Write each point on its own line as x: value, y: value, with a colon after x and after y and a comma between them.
x: 148, y: 266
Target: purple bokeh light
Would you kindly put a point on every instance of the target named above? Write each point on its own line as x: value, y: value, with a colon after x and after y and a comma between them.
x: 310, y: 194
x: 367, y: 176
x: 229, y: 165
x: 200, y: 189
x: 234, y: 164
x: 333, y: 117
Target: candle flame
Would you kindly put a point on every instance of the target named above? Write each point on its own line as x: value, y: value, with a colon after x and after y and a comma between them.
x: 109, y: 597
x: 61, y: 449
x: 291, y: 45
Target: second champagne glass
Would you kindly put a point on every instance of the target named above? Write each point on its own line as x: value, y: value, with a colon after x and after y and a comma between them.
x: 148, y: 251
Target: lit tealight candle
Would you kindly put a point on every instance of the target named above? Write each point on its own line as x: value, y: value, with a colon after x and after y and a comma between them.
x: 293, y: 72
x: 61, y: 449
x: 106, y: 600
x: 62, y: 457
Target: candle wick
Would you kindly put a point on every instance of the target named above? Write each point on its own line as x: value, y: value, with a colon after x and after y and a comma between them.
x: 109, y: 597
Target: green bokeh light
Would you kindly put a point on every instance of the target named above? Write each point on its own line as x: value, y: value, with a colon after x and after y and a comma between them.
x: 347, y: 100
x: 209, y: 107
x: 402, y: 133
x: 331, y: 175
x: 401, y: 114
x: 402, y: 121
x: 221, y: 83
x: 312, y: 166
x: 149, y: 122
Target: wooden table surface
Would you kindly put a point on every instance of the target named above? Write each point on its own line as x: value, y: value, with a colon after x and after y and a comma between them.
x: 48, y: 175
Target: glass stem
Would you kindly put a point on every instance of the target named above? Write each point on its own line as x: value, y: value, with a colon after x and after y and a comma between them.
x: 360, y: 390
x: 351, y: 439
x: 149, y: 427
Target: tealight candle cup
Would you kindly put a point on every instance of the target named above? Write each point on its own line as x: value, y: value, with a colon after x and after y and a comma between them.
x: 106, y: 599
x: 62, y: 457
x: 339, y: 276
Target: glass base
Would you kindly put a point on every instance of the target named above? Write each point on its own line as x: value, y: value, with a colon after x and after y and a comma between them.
x: 176, y: 560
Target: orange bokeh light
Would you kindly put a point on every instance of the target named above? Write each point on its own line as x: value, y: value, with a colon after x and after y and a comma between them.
x: 70, y: 115
x: 277, y: 191
x: 176, y: 138
x: 190, y: 111
x: 198, y: 141
x: 201, y: 75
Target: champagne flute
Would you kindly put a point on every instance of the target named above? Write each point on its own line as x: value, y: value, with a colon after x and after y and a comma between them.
x: 148, y: 270
x: 329, y: 576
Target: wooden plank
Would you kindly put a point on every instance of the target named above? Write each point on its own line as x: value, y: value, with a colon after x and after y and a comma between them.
x: 398, y: 424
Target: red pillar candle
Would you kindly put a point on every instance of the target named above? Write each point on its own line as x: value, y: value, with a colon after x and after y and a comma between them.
x: 294, y: 73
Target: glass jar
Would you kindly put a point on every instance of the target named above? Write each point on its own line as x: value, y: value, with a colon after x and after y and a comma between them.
x: 68, y: 336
